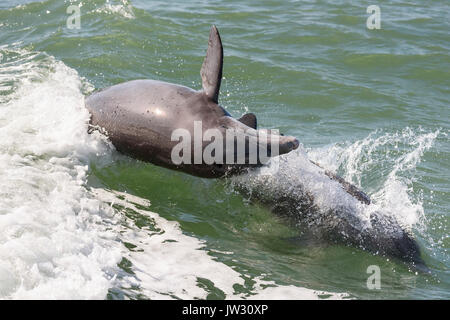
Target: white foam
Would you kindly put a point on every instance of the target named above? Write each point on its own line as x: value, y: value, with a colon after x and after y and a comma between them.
x: 168, y: 264
x: 171, y: 262
x: 51, y: 244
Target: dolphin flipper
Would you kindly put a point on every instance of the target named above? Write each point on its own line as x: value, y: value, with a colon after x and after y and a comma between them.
x: 211, y: 71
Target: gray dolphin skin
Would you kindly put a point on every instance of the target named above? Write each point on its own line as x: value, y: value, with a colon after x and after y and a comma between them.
x: 140, y: 116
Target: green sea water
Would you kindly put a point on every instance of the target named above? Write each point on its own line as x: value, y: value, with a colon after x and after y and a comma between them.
x: 79, y: 220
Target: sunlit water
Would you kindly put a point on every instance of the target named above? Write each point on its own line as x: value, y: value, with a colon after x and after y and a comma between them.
x: 79, y: 220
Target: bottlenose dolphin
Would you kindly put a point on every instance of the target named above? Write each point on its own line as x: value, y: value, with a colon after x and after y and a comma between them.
x: 328, y: 210
x: 140, y: 117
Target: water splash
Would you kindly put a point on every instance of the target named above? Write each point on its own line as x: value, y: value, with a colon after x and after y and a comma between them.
x: 388, y: 161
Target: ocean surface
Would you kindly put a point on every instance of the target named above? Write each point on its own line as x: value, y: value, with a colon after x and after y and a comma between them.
x: 78, y: 220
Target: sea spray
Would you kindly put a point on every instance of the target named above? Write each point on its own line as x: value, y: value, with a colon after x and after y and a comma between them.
x: 321, y: 208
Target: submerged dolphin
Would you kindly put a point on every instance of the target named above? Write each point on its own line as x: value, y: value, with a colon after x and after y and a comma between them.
x: 326, y: 211
x: 140, y: 116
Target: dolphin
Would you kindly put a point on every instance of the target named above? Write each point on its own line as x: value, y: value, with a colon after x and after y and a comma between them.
x: 141, y: 116
x: 326, y: 209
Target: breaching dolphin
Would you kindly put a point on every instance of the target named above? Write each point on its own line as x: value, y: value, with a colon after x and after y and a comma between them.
x: 141, y: 116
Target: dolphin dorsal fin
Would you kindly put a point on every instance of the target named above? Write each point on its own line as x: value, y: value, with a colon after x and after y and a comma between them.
x: 211, y: 71
x: 249, y: 119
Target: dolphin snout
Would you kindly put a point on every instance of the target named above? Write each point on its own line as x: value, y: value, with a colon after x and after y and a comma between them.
x: 288, y: 143
x: 295, y: 144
